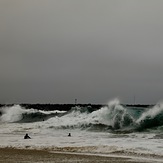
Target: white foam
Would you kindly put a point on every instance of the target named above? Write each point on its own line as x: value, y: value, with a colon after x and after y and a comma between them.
x: 12, y: 114
x: 15, y: 113
x: 93, y: 142
x: 151, y: 113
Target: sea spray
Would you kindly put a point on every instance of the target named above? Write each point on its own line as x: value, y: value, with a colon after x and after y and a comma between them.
x: 152, y: 118
x: 114, y: 116
x: 119, y: 115
x: 12, y: 114
x: 151, y: 113
x: 17, y: 113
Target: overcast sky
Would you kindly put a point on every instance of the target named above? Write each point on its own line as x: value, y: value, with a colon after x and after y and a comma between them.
x: 53, y: 51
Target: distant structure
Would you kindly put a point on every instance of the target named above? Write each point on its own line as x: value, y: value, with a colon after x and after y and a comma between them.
x: 75, y: 101
x: 134, y: 99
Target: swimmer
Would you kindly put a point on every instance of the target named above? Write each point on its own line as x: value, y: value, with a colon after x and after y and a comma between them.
x: 27, y: 136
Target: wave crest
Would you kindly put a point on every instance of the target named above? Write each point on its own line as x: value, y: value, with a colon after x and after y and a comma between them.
x: 113, y: 117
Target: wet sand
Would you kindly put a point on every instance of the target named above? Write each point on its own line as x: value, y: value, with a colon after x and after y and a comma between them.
x: 11, y: 155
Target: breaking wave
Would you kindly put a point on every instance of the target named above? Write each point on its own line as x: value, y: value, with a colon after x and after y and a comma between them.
x: 113, y: 117
x: 17, y: 113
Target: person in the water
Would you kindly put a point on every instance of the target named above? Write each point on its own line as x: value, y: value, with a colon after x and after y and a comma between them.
x: 27, y: 136
x: 69, y: 134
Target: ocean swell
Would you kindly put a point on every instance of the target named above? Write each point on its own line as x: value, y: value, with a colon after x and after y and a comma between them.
x: 113, y: 118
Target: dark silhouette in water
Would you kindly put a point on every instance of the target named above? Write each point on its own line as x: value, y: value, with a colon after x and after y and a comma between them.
x: 27, y: 136
x: 69, y: 134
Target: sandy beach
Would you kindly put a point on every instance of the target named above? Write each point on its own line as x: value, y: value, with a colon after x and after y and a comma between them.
x: 11, y: 155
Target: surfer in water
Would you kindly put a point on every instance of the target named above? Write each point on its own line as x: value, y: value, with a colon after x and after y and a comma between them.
x: 69, y: 134
x: 27, y: 136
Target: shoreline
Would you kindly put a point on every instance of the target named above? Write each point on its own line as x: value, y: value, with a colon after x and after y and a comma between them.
x: 9, y: 154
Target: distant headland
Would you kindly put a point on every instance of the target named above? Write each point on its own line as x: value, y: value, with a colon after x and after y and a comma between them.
x: 67, y: 107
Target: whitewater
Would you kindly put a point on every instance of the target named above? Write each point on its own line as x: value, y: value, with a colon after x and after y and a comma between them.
x: 111, y: 130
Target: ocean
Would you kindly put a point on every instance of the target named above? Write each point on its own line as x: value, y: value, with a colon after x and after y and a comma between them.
x: 114, y: 129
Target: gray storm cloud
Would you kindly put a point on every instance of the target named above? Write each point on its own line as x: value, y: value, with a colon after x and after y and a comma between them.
x: 55, y: 51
